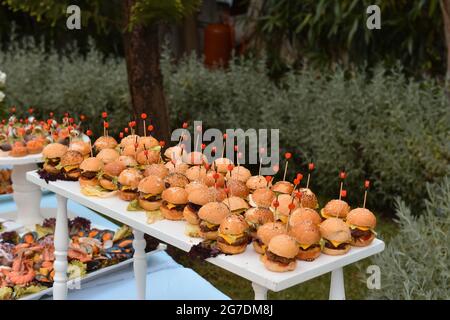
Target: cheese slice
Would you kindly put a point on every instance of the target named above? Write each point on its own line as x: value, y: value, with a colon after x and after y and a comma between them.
x: 230, y: 238
x: 171, y: 205
x: 360, y: 228
x: 304, y: 246
x: 68, y: 168
x: 209, y: 224
x: 326, y: 216
x: 335, y: 243
x: 148, y: 196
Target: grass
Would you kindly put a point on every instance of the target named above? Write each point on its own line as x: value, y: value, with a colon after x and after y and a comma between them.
x: 239, y: 288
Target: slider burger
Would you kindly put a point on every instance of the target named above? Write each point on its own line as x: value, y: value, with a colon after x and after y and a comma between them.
x: 211, y: 216
x: 239, y: 173
x: 256, y: 217
x: 150, y: 189
x: 129, y: 140
x: 283, y: 212
x: 256, y: 182
x: 218, y: 194
x: 233, y: 235
x: 174, y: 201
x: 176, y: 180
x: 211, y: 182
x: 362, y: 223
x: 335, y: 208
x: 195, y: 185
x: 146, y: 157
x: 105, y: 142
x: 82, y: 147
x: 301, y: 215
x: 281, y: 254
x: 262, y: 197
x: 128, y: 182
x: 129, y: 150
x: 108, y: 155
x: 147, y: 142
x: 221, y: 165
x: 108, y: 177
x: 90, y: 167
x: 52, y: 156
x: 194, y: 158
x: 283, y: 187
x: 70, y: 164
x: 173, y: 154
x: 237, y: 188
x: 336, y: 235
x: 265, y: 233
x: 156, y: 169
x: 196, y: 199
x: 178, y: 167
x: 308, y: 199
x: 236, y: 205
x: 308, y: 238
x: 196, y: 173
x: 128, y: 161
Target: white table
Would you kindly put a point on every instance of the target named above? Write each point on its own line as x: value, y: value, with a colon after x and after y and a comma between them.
x: 27, y: 195
x: 246, y: 265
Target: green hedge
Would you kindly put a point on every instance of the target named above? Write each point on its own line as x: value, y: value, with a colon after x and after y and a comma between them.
x: 382, y: 125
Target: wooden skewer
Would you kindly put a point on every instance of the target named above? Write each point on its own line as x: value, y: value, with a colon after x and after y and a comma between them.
x: 340, y: 190
x: 285, y: 170
x: 307, y: 181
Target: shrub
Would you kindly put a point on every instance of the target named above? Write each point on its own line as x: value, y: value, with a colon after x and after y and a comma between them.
x: 416, y: 262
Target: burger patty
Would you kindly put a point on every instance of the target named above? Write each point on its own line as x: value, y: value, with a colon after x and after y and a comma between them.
x: 88, y: 174
x: 205, y: 228
x: 53, y: 161
x: 152, y: 198
x: 310, y: 247
x: 107, y: 177
x: 178, y: 207
x: 356, y: 233
x: 239, y: 241
x: 259, y: 241
x: 329, y: 245
x: 71, y: 170
x: 273, y: 257
x: 194, y: 207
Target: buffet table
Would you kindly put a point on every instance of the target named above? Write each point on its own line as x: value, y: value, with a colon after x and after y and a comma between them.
x: 26, y: 195
x: 246, y: 265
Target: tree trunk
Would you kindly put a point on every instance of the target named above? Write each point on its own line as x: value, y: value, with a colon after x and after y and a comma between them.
x: 145, y: 81
x: 445, y: 8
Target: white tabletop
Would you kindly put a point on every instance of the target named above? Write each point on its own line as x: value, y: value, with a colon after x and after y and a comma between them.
x: 246, y: 265
x: 31, y: 158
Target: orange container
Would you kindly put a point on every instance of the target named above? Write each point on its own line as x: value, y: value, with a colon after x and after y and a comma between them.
x: 217, y: 47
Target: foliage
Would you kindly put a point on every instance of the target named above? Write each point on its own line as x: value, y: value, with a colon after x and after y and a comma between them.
x: 334, y: 32
x: 416, y: 262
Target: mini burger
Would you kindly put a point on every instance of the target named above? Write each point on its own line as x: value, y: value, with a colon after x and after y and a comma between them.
x: 233, y: 235
x: 336, y: 235
x: 194, y: 158
x: 256, y: 217
x: 129, y: 140
x: 128, y: 161
x: 308, y: 238
x: 52, y: 156
x: 281, y: 254
x: 301, y: 215
x: 128, y: 182
x: 150, y: 189
x: 146, y: 157
x: 156, y: 169
x: 362, y: 223
x: 211, y: 182
x: 195, y: 185
x: 178, y: 167
x: 173, y: 154
x: 237, y: 188
x: 176, y: 180
x: 108, y: 155
x: 196, y: 199
x: 105, y: 142
x: 265, y: 233
x: 221, y: 165
x: 236, y: 205
x: 82, y: 147
x: 90, y: 168
x: 283, y: 187
x: 262, y: 197
x: 256, y: 182
x: 196, y: 173
x: 108, y: 177
x: 239, y: 173
x: 218, y: 194
x: 70, y: 164
x: 129, y: 150
x: 147, y: 143
x: 174, y: 201
x: 282, y: 212
x: 211, y: 216
x: 336, y: 209
x: 309, y: 199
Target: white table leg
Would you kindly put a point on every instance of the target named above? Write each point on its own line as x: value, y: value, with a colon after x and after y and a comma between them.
x: 140, y: 264
x: 61, y: 244
x: 27, y: 195
x: 337, y: 288
x: 260, y: 291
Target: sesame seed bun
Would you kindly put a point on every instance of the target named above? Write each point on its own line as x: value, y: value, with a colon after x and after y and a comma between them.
x: 130, y: 177
x: 80, y: 146
x: 239, y: 173
x: 221, y: 165
x: 211, y: 182
x: 71, y: 158
x: 258, y: 216
x: 175, y: 195
x: 300, y: 215
x: 147, y: 142
x: 151, y: 185
x: 213, y: 212
x: 336, y: 208
x: 178, y: 167
x: 237, y: 205
x: 335, y: 229
x: 176, y: 180
x: 362, y: 217
x: 173, y: 153
x: 54, y: 150
x: 309, y: 199
x: 237, y: 188
x: 91, y: 164
x: 284, y: 201
x: 262, y: 197
x: 200, y: 197
x: 195, y: 185
x: 233, y: 224
x: 129, y: 150
x: 305, y: 233
x: 194, y: 158
x: 156, y: 169
x: 108, y: 155
x: 256, y: 182
x: 283, y: 246
x: 283, y: 187
x: 266, y: 232
x: 129, y: 140
x: 128, y: 161
x: 196, y: 173
x: 147, y: 157
x: 113, y: 168
x: 105, y: 142
x: 218, y: 194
